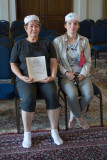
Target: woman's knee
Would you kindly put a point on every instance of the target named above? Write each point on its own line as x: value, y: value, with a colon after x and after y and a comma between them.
x: 69, y: 89
x: 71, y: 92
x: 52, y: 101
x: 28, y: 102
x: 87, y: 89
x: 88, y: 96
x: 29, y: 99
x: 72, y: 96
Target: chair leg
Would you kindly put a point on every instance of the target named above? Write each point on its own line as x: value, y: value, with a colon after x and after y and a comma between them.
x: 17, y: 115
x: 66, y: 118
x: 101, y: 110
x: 95, y: 58
x: 60, y: 106
x: 18, y: 119
x: 65, y: 107
x: 88, y: 107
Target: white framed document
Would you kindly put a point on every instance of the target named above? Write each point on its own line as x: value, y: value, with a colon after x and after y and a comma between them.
x: 36, y: 67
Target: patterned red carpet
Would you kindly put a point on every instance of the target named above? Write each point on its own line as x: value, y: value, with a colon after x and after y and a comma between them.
x: 78, y: 144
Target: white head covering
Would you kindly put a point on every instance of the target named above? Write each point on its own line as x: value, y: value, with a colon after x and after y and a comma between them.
x: 71, y: 16
x: 30, y: 18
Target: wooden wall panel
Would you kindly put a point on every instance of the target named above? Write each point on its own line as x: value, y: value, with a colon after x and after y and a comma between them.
x: 51, y: 12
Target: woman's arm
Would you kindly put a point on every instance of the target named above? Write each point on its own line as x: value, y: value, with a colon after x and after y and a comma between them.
x: 60, y: 64
x: 15, y: 69
x: 53, y: 67
x: 87, y: 54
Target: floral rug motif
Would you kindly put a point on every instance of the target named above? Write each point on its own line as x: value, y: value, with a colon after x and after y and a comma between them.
x: 78, y: 144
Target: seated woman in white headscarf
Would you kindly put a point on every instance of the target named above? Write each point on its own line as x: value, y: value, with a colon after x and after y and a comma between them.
x: 33, y: 46
x: 74, y: 58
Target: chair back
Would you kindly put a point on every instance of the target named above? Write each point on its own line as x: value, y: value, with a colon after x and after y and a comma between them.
x: 4, y: 25
x: 53, y: 36
x: 101, y: 21
x: 45, y: 33
x: 5, y: 40
x: 99, y: 33
x: 23, y: 36
x: 85, y: 28
x: 17, y: 25
x: 4, y: 32
x: 17, y: 33
x: 5, y: 71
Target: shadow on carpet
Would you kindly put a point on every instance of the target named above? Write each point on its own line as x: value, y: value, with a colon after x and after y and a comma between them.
x: 78, y: 145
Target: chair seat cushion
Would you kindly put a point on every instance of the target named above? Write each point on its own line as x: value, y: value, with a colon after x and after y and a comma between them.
x: 96, y: 89
x: 19, y: 95
x: 7, y: 91
x: 100, y: 47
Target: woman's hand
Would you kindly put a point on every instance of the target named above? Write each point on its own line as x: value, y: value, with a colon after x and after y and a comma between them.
x: 18, y: 73
x: 53, y: 69
x: 80, y: 78
x: 27, y: 79
x: 70, y: 75
x: 47, y: 80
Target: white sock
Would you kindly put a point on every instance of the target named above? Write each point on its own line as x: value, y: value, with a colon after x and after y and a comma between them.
x: 27, y: 140
x: 56, y: 137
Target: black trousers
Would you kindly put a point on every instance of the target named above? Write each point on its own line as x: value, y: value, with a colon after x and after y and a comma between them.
x: 30, y: 91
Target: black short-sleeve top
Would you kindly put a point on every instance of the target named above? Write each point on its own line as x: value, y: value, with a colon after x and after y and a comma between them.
x: 23, y: 49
